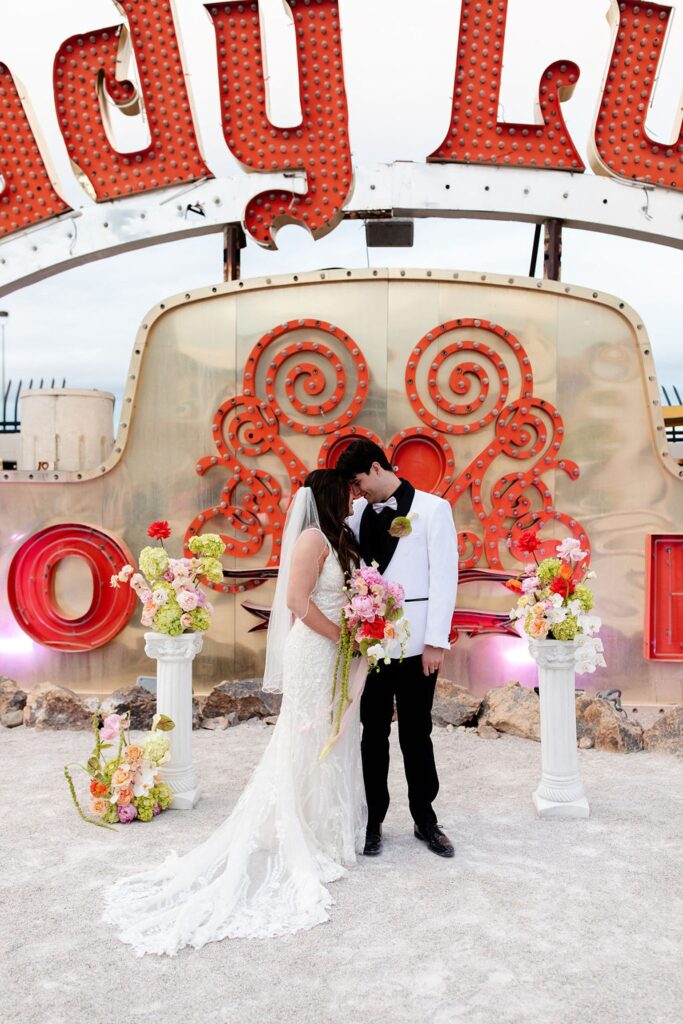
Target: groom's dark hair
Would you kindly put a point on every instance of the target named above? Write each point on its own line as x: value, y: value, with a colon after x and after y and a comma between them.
x: 358, y: 458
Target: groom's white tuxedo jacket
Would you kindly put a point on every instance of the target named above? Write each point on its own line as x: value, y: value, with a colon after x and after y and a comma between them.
x: 425, y: 563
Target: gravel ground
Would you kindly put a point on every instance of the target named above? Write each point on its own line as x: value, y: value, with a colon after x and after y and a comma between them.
x: 533, y: 921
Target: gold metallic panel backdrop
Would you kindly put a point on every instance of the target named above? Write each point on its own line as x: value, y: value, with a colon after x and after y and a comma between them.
x: 516, y: 401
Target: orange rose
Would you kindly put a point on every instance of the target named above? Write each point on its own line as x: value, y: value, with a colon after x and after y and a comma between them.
x: 121, y: 777
x: 514, y: 585
x: 98, y: 806
x: 125, y: 796
x: 97, y: 788
x: 565, y: 571
x: 538, y: 628
x: 134, y: 755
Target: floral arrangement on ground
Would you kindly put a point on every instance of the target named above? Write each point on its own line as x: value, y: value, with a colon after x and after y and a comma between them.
x: 128, y: 786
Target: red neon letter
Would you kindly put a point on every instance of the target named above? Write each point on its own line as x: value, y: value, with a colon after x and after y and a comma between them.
x: 28, y: 196
x: 85, y: 67
x: 476, y: 135
x: 319, y: 145
x: 30, y: 588
x: 621, y: 142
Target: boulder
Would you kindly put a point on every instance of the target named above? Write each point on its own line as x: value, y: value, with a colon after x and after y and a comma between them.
x: 598, y: 719
x: 55, y: 707
x: 12, y: 698
x: 666, y: 733
x: 243, y: 696
x: 586, y: 743
x: 216, y: 724
x: 512, y: 709
x: 11, y: 719
x: 454, y: 705
x: 141, y: 704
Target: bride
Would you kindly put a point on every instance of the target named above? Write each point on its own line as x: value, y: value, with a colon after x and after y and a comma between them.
x: 263, y: 872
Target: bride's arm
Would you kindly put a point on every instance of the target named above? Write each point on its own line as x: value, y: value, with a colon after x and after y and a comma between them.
x: 308, y: 559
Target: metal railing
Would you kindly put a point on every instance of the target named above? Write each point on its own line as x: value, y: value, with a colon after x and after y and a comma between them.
x: 9, y: 403
x: 672, y: 397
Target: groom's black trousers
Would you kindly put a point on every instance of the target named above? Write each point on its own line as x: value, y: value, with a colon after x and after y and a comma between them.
x: 414, y: 692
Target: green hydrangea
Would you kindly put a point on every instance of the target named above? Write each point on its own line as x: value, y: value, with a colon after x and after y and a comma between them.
x: 167, y: 619
x: 111, y: 815
x: 109, y: 768
x: 584, y: 595
x: 153, y: 562
x: 566, y: 630
x: 163, y: 795
x: 207, y: 545
x: 155, y: 746
x: 548, y: 570
x: 145, y: 807
x: 212, y: 569
x: 200, y: 619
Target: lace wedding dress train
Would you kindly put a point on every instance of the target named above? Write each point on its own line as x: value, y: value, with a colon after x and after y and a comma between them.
x: 297, y: 824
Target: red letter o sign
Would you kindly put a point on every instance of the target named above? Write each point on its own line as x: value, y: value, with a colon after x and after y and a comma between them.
x: 30, y: 588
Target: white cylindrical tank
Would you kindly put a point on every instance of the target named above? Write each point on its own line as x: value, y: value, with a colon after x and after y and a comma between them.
x: 66, y: 429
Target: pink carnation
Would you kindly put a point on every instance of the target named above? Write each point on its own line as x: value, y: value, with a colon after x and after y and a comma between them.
x: 363, y: 607
x: 396, y: 591
x: 188, y: 600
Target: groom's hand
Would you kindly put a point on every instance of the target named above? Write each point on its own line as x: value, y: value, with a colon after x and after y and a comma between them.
x: 432, y: 659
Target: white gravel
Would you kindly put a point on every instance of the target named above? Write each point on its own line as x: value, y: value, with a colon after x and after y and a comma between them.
x: 533, y: 921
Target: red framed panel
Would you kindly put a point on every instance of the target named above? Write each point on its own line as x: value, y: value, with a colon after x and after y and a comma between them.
x: 663, y: 634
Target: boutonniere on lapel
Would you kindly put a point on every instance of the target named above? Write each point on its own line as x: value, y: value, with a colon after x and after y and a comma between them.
x: 402, y: 526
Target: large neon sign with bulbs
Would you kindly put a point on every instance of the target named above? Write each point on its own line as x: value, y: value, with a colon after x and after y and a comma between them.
x: 317, y: 149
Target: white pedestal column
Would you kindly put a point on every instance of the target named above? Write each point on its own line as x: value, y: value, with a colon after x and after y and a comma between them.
x: 560, y: 792
x: 174, y: 656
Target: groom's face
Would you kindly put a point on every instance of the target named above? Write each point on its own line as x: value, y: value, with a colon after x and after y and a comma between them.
x: 369, y: 485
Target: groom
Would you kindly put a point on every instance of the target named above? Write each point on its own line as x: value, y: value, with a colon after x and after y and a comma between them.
x: 425, y: 563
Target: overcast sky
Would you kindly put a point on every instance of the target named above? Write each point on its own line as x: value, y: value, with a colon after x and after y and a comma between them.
x: 399, y: 61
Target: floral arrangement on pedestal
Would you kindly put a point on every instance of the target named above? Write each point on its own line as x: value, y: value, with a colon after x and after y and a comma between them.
x: 555, y: 602
x: 372, y: 623
x: 126, y: 787
x: 169, y: 588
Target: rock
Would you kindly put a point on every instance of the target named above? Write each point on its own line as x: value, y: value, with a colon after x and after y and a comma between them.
x: 11, y: 719
x: 453, y: 704
x: 55, y: 707
x: 270, y: 720
x: 586, y: 742
x: 450, y: 728
x: 461, y: 728
x: 216, y: 723
x: 487, y: 732
x: 598, y: 720
x: 141, y: 704
x: 512, y: 709
x: 243, y: 696
x: 666, y: 733
x: 12, y: 697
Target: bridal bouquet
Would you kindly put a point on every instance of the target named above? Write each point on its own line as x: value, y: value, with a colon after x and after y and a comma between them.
x: 126, y: 786
x: 372, y: 622
x: 169, y: 587
x: 554, y: 601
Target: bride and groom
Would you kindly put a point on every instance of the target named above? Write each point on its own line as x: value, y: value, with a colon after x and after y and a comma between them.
x: 301, y: 819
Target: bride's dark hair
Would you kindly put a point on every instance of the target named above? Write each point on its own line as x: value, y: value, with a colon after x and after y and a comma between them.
x: 331, y: 493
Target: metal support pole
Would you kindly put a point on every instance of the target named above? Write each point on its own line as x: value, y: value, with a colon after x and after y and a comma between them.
x: 233, y: 242
x: 552, y: 250
x: 534, y: 250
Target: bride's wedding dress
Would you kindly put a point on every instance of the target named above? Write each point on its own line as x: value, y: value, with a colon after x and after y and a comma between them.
x: 264, y: 871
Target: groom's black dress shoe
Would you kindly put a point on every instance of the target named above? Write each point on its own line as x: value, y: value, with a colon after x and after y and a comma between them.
x: 373, y: 841
x: 437, y: 841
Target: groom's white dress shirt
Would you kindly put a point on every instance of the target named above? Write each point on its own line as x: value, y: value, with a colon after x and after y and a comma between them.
x: 425, y: 563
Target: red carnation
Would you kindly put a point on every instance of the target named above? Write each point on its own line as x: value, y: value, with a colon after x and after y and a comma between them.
x: 160, y: 530
x: 374, y: 630
x: 563, y: 587
x: 529, y: 543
